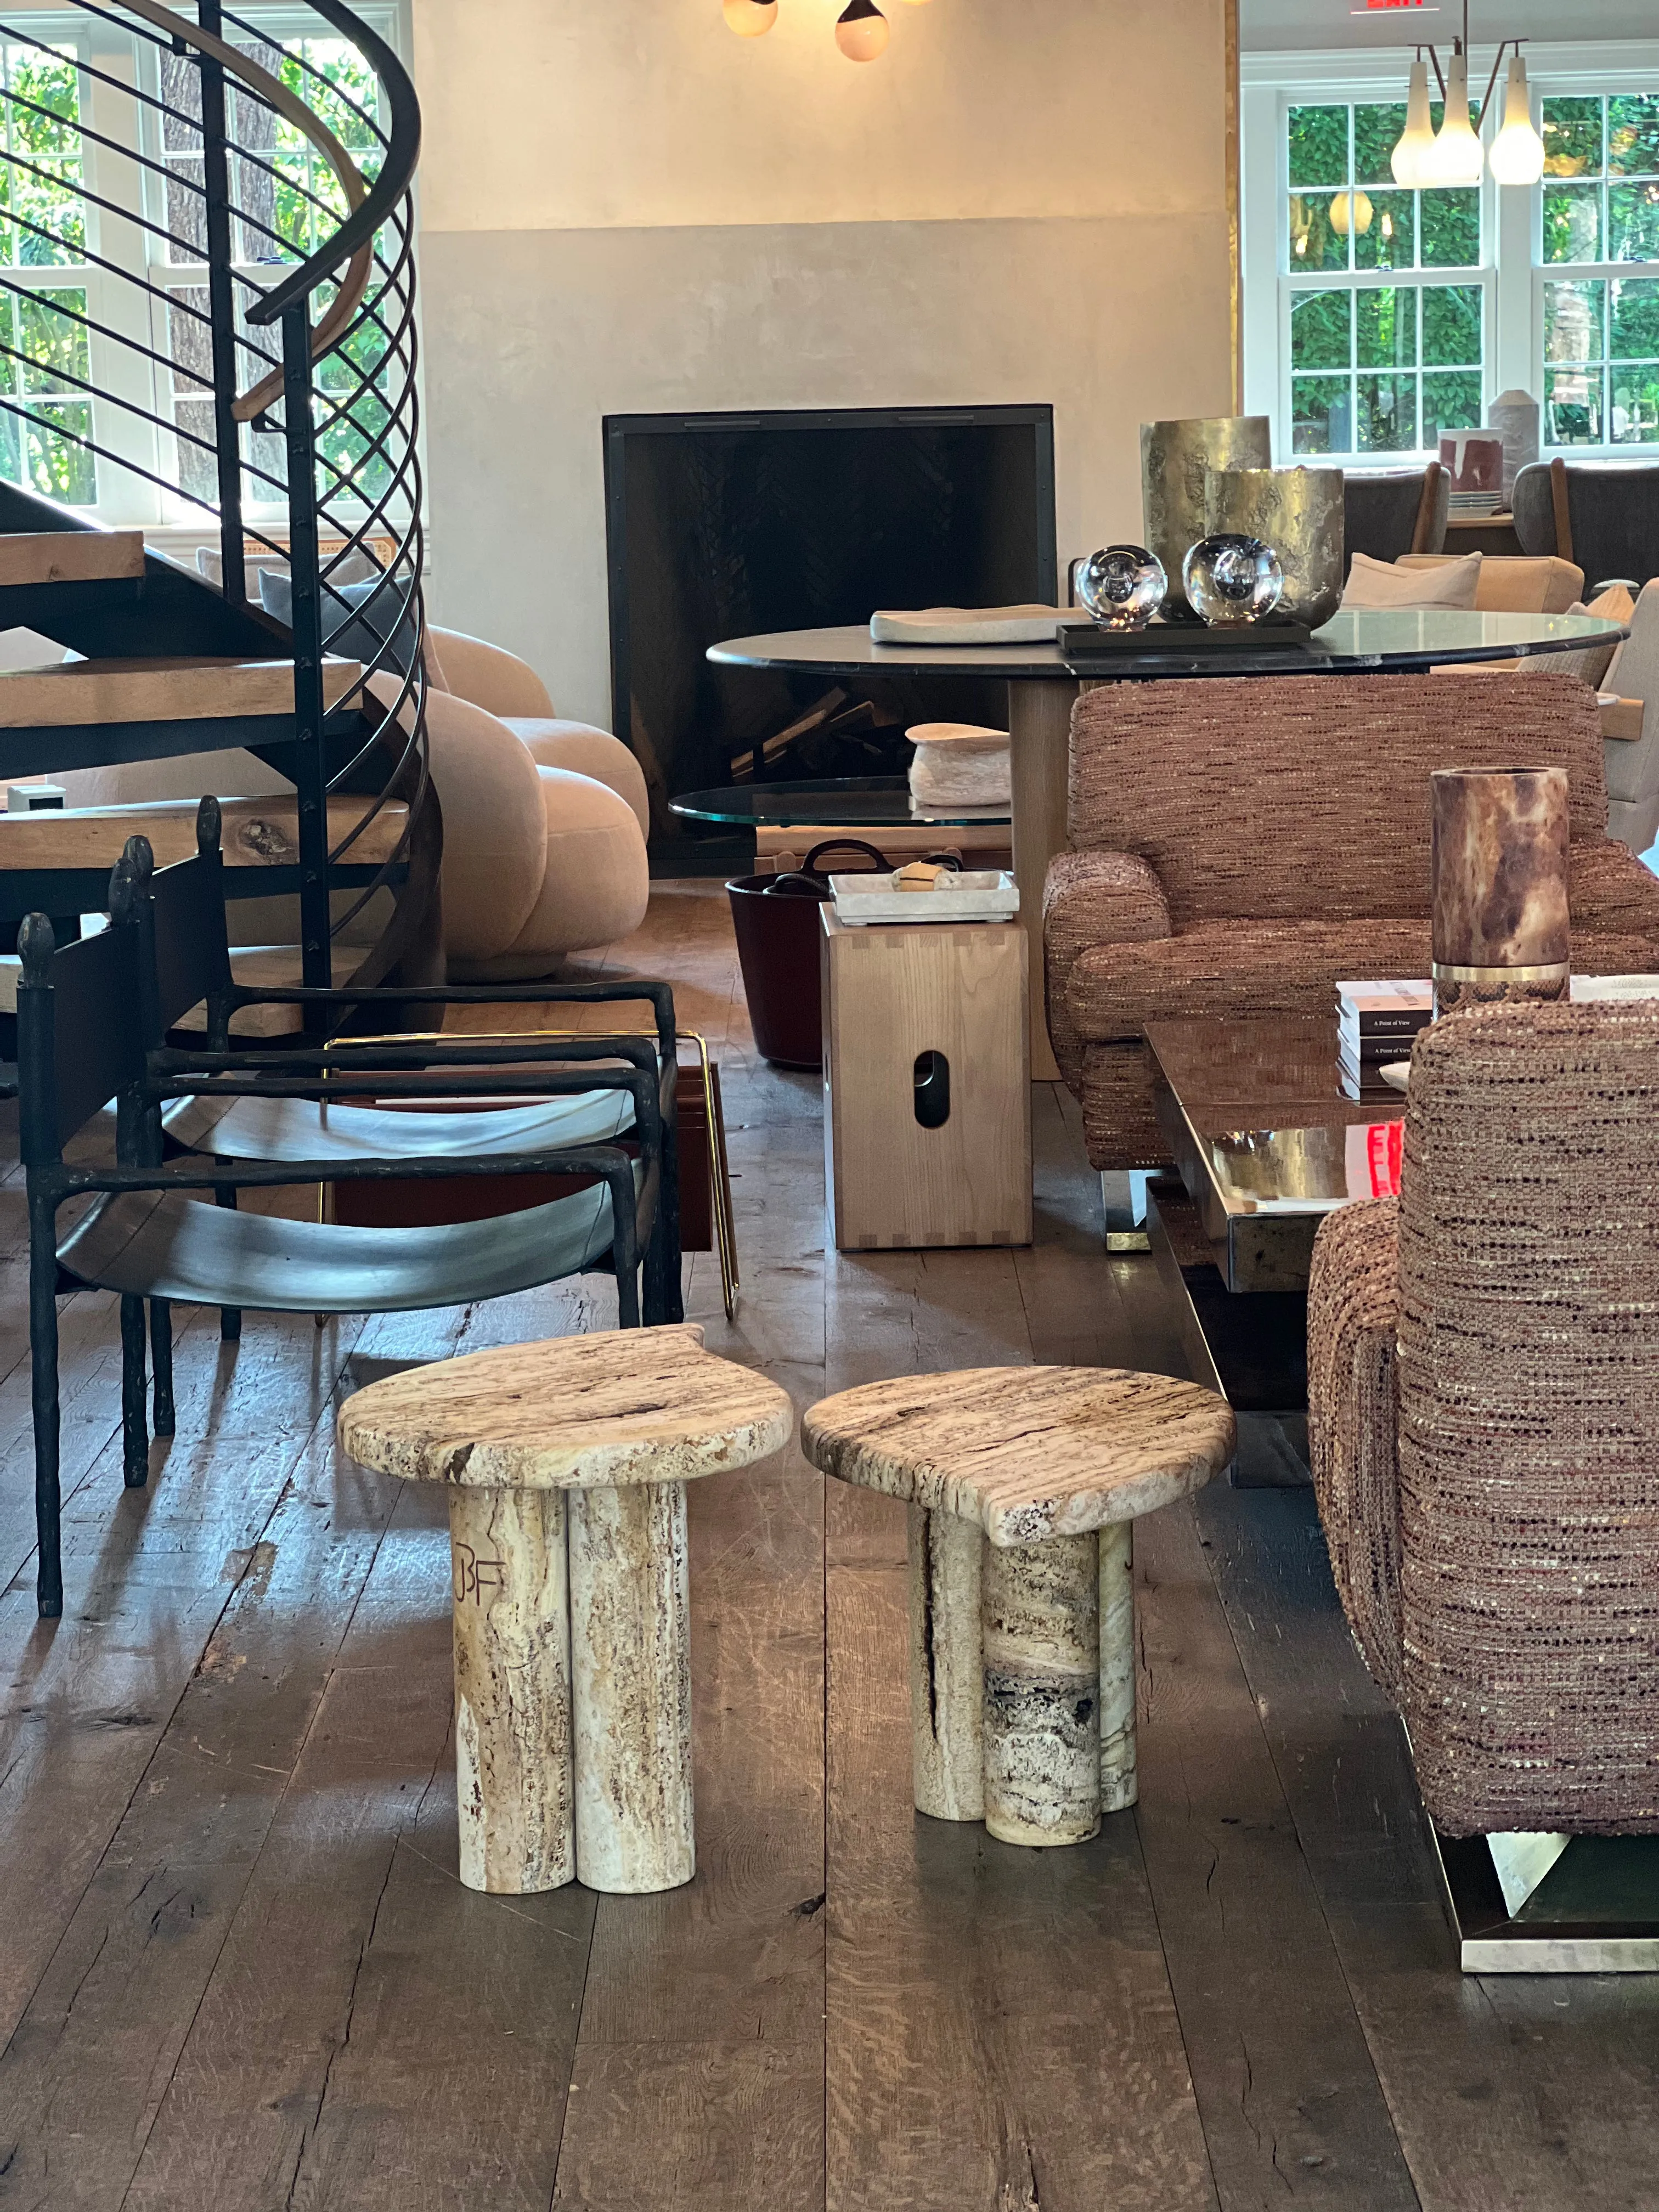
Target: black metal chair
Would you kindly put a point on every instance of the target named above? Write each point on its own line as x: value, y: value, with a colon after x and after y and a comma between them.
x: 83, y: 1014
x: 1604, y: 515
x: 185, y: 960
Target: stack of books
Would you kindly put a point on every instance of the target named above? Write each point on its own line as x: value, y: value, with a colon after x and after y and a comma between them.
x: 1376, y: 1023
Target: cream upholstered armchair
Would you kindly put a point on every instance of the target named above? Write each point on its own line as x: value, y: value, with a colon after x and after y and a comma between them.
x: 1483, y: 1414
x: 544, y: 820
x: 1241, y: 844
x: 1632, y: 742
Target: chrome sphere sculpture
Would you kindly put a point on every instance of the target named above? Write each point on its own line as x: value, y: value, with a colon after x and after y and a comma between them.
x: 1122, y: 586
x: 1231, y: 579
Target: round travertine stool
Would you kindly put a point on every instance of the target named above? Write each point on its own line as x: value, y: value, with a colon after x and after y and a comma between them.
x: 1023, y: 1485
x: 567, y: 1464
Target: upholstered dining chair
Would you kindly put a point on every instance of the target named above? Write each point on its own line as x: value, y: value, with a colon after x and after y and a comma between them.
x: 1483, y: 1416
x: 1387, y: 514
x: 1239, y: 844
x: 1604, y: 515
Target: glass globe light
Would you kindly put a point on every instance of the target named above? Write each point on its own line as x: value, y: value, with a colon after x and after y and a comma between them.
x: 1351, y: 211
x: 1416, y: 140
x: 1232, y: 580
x: 1517, y: 152
x: 1458, y: 157
x: 862, y: 31
x: 1122, y: 586
x: 750, y: 19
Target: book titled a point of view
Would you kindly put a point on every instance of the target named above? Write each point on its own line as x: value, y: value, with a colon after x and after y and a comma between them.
x: 1377, y: 1021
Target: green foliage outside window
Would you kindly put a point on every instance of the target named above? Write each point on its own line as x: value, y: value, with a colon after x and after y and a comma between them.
x: 1600, y: 208
x: 43, y: 229
x: 1376, y: 368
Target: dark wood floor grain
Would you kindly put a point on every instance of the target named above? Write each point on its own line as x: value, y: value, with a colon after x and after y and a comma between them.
x: 238, y: 1972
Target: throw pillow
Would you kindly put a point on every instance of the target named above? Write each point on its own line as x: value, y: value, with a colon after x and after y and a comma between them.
x: 1379, y: 584
x: 362, y: 620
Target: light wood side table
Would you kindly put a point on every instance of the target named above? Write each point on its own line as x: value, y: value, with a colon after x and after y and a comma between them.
x: 926, y: 1085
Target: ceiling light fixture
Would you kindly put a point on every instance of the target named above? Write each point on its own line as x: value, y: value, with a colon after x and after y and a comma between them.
x: 1416, y: 140
x: 750, y: 19
x: 861, y: 30
x: 1423, y: 160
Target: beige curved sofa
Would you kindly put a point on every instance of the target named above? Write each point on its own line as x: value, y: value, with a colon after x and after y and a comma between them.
x: 544, y: 819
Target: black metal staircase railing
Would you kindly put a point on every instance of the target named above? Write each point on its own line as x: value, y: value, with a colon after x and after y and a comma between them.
x: 244, y: 348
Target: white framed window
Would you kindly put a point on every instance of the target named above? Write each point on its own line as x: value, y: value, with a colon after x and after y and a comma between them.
x: 79, y: 218
x: 1376, y: 319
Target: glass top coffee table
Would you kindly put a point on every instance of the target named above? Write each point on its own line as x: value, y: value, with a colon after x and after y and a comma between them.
x: 847, y: 802
x: 1267, y: 1141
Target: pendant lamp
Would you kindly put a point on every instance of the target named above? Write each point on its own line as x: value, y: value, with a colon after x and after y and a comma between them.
x: 1458, y: 157
x: 861, y: 31
x: 1416, y: 141
x: 1517, y: 152
x: 750, y: 19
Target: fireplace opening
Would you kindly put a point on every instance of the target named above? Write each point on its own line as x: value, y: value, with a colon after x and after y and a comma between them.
x: 733, y: 525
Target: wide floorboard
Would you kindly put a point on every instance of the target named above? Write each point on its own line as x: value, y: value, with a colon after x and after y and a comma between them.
x: 238, y: 1972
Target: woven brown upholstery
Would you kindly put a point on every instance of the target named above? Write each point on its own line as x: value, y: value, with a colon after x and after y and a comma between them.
x: 1353, y: 1310
x: 1528, y: 1368
x: 1085, y: 893
x: 1283, y: 823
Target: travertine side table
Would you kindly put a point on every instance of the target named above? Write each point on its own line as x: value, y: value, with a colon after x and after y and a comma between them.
x: 1023, y: 1485
x: 567, y: 1464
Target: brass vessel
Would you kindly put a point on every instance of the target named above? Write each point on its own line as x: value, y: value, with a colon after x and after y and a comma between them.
x: 1298, y: 512
x: 1176, y: 459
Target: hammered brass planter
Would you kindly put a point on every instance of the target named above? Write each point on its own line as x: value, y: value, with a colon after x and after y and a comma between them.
x: 1298, y: 512
x: 1176, y: 459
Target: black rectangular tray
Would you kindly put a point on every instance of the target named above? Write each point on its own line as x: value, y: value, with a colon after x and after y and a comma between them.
x: 1087, y: 641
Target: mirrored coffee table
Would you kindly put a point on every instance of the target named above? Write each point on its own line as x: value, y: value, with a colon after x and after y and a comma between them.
x: 1266, y: 1144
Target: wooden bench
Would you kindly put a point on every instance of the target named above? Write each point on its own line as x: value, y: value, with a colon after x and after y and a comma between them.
x: 1023, y: 1485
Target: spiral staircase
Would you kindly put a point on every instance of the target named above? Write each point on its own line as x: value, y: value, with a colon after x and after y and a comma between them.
x: 219, y: 371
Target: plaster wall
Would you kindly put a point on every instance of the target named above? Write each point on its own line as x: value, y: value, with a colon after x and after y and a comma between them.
x: 627, y: 210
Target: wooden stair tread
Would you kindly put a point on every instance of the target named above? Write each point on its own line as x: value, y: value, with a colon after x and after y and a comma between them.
x: 257, y: 833
x: 277, y: 967
x: 80, y: 692
x: 70, y: 557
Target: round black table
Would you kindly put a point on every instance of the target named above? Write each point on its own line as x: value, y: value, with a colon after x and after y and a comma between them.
x: 1042, y: 688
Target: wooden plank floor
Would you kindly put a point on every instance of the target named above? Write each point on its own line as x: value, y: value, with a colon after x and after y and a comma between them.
x: 237, y: 1969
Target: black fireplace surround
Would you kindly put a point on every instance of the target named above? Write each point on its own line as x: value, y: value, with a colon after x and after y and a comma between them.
x: 728, y: 526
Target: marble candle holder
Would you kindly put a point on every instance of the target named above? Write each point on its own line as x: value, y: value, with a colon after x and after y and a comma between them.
x: 1499, y: 886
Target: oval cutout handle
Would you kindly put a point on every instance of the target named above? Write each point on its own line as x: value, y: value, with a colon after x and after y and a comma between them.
x: 932, y: 1080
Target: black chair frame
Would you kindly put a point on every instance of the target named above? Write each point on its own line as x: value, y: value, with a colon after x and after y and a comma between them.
x: 82, y: 1043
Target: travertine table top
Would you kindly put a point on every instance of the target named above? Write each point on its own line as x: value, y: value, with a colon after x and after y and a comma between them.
x: 578, y: 1412
x: 1027, y: 1452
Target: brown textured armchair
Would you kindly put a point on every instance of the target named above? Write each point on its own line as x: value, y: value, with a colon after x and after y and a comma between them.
x: 1242, y: 844
x: 1483, y: 1414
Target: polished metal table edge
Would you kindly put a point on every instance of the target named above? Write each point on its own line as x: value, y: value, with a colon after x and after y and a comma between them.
x: 1257, y: 1248
x: 1489, y: 1942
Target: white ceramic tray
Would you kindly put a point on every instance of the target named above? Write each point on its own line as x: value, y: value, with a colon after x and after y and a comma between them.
x: 972, y: 895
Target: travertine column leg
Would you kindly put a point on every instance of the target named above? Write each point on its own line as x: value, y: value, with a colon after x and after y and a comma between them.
x: 512, y: 1768
x: 631, y: 1668
x: 946, y: 1694
x: 1041, y: 1616
x: 1040, y: 730
x: 1118, y: 1788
